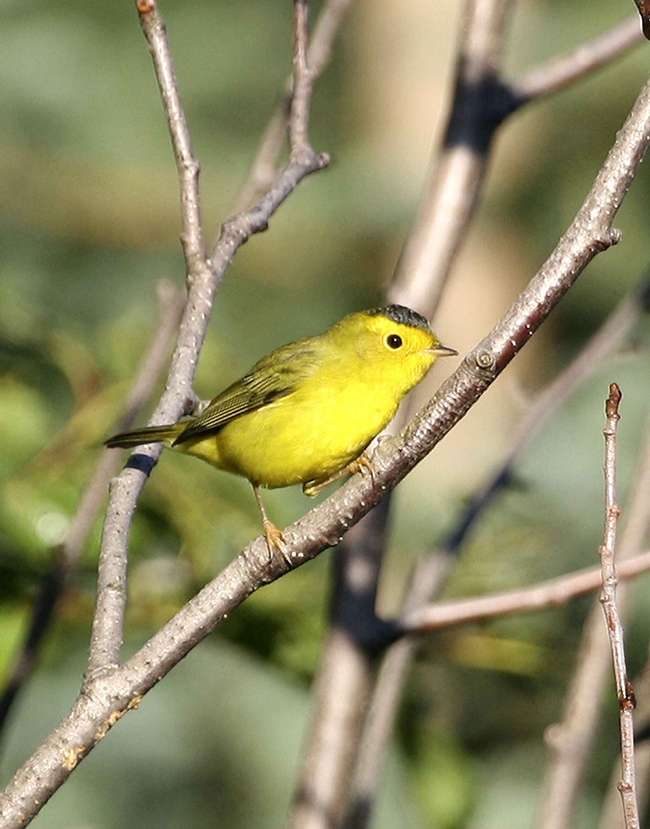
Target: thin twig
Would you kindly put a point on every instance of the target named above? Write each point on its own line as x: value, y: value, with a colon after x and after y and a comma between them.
x: 69, y: 552
x: 624, y: 691
x: 612, y: 816
x: 264, y: 168
x: 108, y: 620
x: 303, y: 84
x: 546, y: 594
x: 572, y: 739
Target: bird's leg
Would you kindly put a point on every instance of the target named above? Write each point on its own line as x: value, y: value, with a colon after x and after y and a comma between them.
x: 274, y: 538
x: 362, y: 464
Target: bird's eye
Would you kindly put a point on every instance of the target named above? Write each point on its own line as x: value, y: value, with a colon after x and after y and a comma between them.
x: 394, y: 341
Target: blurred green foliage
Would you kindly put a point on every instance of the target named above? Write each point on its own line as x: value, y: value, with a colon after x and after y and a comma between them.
x: 89, y: 225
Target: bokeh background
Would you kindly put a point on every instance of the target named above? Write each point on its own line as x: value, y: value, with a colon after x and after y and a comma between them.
x: 89, y: 225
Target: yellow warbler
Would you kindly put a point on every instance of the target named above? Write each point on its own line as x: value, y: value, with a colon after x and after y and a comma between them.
x: 305, y: 413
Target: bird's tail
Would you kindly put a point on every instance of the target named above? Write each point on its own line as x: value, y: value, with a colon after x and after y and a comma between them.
x: 149, y: 434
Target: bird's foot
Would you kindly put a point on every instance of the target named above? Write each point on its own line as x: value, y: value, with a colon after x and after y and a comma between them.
x: 274, y: 539
x: 362, y: 465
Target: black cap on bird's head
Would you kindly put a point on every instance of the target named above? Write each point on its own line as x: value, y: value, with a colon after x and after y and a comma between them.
x: 402, y: 315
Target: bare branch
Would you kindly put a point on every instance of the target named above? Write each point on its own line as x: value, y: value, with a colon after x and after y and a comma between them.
x: 624, y: 689
x: 456, y: 181
x: 562, y: 71
x: 204, y: 276
x: 264, y: 168
x: 572, y: 739
x: 108, y: 621
x: 188, y: 167
x: 385, y: 700
x: 605, y: 341
x: 612, y: 816
x: 344, y: 680
x: 547, y: 594
x: 303, y: 82
x: 482, y: 101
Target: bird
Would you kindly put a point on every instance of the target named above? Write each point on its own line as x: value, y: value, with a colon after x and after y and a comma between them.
x: 307, y: 411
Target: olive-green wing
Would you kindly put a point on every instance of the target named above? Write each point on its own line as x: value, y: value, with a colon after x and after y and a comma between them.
x: 273, y: 377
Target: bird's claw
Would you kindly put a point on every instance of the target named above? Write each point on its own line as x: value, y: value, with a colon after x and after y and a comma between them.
x: 274, y: 539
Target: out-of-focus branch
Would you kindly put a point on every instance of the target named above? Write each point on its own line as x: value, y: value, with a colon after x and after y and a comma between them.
x: 384, y: 702
x: 418, y: 617
x: 326, y: 796
x: 344, y: 680
x: 482, y: 101
x: 609, y: 337
x: 460, y: 168
x: 562, y: 71
x: 624, y: 691
x: 69, y: 552
x: 572, y: 739
x: 644, y: 10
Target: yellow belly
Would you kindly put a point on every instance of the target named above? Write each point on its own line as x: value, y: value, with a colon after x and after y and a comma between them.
x: 299, y: 438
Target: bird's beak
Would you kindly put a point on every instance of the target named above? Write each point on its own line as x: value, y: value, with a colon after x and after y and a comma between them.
x: 442, y: 351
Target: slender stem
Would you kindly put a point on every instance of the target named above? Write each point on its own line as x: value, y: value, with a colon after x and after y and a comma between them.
x: 187, y: 165
x: 204, y: 277
x: 571, y: 740
x: 303, y: 83
x: 264, y: 168
x: 547, y: 594
x: 615, y: 632
x: 108, y: 620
